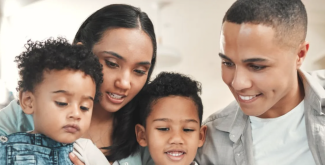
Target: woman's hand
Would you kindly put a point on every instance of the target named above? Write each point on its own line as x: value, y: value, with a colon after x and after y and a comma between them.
x: 75, y: 159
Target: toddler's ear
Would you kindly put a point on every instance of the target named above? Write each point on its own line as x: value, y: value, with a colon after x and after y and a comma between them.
x: 26, y: 101
x: 203, y: 131
x: 140, y: 132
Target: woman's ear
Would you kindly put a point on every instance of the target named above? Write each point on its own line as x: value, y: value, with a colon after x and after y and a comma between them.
x: 140, y: 132
x: 79, y: 43
x: 26, y: 101
x: 203, y: 131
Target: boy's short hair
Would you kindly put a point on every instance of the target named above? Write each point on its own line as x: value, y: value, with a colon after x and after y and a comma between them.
x: 168, y: 84
x: 56, y: 54
x: 287, y: 17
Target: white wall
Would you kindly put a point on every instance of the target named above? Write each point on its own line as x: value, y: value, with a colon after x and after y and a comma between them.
x: 191, y: 26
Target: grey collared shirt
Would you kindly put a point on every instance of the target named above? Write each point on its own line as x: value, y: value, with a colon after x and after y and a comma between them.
x: 229, y: 135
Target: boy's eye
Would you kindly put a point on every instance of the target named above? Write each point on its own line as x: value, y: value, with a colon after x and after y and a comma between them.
x: 61, y: 104
x: 84, y: 108
x: 188, y: 130
x: 111, y: 64
x: 163, y: 129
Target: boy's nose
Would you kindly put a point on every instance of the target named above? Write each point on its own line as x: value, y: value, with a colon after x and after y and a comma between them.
x: 176, y: 138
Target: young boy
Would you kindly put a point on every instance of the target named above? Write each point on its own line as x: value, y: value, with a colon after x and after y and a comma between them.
x: 171, y: 114
x: 59, y: 84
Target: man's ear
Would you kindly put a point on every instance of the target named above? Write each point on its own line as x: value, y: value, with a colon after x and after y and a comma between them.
x: 203, y: 131
x: 302, y: 52
x: 140, y: 132
x: 26, y: 101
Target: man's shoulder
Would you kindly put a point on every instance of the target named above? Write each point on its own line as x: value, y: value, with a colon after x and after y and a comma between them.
x: 223, y: 118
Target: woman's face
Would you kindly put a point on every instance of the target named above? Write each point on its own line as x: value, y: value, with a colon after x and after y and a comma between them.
x: 126, y: 58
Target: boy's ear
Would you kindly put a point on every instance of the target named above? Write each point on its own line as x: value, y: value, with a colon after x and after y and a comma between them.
x: 79, y: 43
x: 140, y: 132
x: 26, y: 101
x: 203, y: 131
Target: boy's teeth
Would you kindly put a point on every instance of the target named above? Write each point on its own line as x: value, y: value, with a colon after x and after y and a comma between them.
x: 247, y: 97
x: 175, y: 153
x: 115, y: 96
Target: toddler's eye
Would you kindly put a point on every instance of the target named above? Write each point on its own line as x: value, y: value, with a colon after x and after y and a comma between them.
x: 163, y: 129
x: 84, y: 108
x: 61, y: 104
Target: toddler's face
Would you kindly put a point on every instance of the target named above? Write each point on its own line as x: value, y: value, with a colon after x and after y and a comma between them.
x: 61, y: 104
x: 173, y: 131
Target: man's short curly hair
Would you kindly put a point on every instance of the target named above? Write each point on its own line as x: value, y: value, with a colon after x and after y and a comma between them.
x: 168, y: 84
x: 55, y: 54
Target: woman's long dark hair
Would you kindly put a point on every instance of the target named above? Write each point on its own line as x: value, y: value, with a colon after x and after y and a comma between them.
x: 91, y: 31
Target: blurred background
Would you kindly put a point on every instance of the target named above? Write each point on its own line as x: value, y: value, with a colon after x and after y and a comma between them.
x: 188, y: 32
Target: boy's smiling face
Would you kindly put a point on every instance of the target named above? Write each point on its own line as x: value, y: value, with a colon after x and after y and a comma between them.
x: 173, y: 132
x: 61, y: 104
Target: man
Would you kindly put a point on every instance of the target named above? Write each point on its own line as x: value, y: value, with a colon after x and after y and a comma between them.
x: 279, y: 114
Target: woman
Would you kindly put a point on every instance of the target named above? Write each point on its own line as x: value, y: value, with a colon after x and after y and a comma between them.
x: 123, y: 39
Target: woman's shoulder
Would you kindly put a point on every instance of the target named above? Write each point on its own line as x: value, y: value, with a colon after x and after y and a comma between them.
x: 13, y: 119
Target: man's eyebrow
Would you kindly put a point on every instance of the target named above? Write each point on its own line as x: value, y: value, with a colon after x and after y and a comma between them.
x: 114, y: 54
x: 224, y: 57
x: 254, y: 60
x: 245, y: 60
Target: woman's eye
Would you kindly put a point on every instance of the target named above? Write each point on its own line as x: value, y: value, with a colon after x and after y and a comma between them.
x: 140, y: 72
x: 163, y: 129
x: 111, y: 64
x: 84, y: 108
x: 61, y: 104
x: 256, y: 67
x: 228, y: 64
x: 188, y: 130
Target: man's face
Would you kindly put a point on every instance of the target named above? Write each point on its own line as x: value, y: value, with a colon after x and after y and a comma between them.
x: 62, y: 104
x: 261, y: 74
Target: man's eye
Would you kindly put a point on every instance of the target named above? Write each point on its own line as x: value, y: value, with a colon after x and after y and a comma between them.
x: 228, y: 64
x: 61, y: 104
x: 256, y: 67
x: 188, y: 130
x: 163, y: 129
x: 84, y: 108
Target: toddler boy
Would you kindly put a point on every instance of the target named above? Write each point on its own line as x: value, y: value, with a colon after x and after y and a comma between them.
x: 59, y: 84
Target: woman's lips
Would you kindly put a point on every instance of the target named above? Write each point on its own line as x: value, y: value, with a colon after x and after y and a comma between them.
x: 115, y: 98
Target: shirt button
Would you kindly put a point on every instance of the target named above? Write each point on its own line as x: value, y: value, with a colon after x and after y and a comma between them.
x: 126, y: 163
x: 3, y: 139
x: 232, y: 135
x: 238, y: 154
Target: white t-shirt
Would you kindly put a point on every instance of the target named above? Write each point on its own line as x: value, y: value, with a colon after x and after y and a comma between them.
x: 281, y: 140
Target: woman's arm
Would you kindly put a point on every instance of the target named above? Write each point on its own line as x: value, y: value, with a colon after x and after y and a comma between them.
x: 13, y: 119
